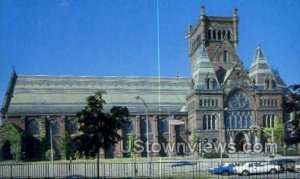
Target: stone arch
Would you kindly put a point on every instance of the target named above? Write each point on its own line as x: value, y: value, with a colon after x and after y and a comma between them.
x: 240, y: 138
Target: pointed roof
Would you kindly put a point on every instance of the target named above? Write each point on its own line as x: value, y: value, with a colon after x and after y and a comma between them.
x: 258, y: 53
x: 237, y: 67
x: 259, y: 64
x: 203, y: 69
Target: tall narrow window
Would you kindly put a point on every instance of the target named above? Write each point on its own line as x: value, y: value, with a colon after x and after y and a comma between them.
x: 207, y: 83
x: 219, y: 35
x: 267, y: 83
x: 273, y: 84
x: 224, y: 33
x: 209, y: 34
x: 228, y: 35
x: 200, y: 103
x: 204, y: 122
x: 214, y: 34
x: 225, y: 56
x: 213, y: 122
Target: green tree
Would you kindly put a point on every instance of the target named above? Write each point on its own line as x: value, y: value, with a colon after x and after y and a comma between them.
x: 132, y: 148
x: 66, y: 146
x: 98, y: 129
x: 194, y: 140
x: 9, y: 133
x: 291, y: 105
x: 278, y: 132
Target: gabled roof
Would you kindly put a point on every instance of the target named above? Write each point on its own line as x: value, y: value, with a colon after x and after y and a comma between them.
x: 63, y: 95
x: 237, y: 67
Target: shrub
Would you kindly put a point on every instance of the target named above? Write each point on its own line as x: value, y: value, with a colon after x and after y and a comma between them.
x: 215, y: 155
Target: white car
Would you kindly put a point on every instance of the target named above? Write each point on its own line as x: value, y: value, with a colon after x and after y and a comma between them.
x: 256, y: 168
x: 297, y: 167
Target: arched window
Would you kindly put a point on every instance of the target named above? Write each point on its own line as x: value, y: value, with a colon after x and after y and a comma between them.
x: 209, y: 34
x: 209, y: 122
x: 228, y: 35
x: 225, y: 56
x: 238, y: 113
x: 214, y: 34
x: 33, y: 127
x: 55, y: 127
x: 207, y: 81
x: 219, y: 35
x: 204, y: 122
x: 128, y: 127
x: 269, y: 120
x: 71, y: 125
x: 144, y: 128
x: 224, y: 34
x: 267, y: 84
x: 214, y: 83
x: 274, y: 85
x: 164, y: 126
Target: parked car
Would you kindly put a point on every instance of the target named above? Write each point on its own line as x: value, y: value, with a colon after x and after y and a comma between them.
x: 183, y: 163
x: 223, y: 169
x: 297, y: 167
x: 285, y: 164
x: 256, y: 168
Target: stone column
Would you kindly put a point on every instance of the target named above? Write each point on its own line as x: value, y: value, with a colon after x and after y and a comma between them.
x: 154, y: 124
x: 138, y: 126
x: 138, y: 130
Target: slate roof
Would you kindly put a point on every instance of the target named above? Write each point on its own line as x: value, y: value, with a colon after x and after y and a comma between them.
x: 34, y: 95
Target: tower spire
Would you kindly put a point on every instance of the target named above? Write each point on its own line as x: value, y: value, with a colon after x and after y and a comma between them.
x: 204, y: 70
x: 259, y: 68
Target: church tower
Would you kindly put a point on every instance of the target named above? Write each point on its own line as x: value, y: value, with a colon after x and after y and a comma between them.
x: 225, y: 100
x: 219, y: 35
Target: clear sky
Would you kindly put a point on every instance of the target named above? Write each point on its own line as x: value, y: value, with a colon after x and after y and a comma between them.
x: 119, y: 37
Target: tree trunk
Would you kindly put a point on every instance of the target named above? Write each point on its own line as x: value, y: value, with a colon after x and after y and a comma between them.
x: 98, y: 174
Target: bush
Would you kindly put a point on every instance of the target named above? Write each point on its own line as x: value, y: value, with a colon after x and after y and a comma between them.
x: 215, y: 155
x: 48, y: 155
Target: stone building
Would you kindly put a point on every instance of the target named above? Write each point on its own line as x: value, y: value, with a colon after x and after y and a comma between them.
x: 225, y: 99
x: 219, y: 102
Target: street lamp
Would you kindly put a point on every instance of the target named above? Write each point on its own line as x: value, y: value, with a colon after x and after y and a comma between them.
x: 51, y: 145
x: 147, y: 127
x: 220, y: 137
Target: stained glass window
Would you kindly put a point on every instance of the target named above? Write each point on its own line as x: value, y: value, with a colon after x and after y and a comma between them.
x: 238, y: 112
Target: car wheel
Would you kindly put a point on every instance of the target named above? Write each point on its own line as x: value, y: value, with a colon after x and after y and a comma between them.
x: 245, y: 173
x: 273, y: 171
x: 225, y: 173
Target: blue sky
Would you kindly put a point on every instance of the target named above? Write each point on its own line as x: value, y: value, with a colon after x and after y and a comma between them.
x: 119, y: 37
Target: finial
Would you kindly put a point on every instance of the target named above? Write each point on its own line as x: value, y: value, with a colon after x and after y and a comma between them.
x: 14, y: 69
x: 202, y: 12
x: 235, y: 12
x: 190, y: 28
